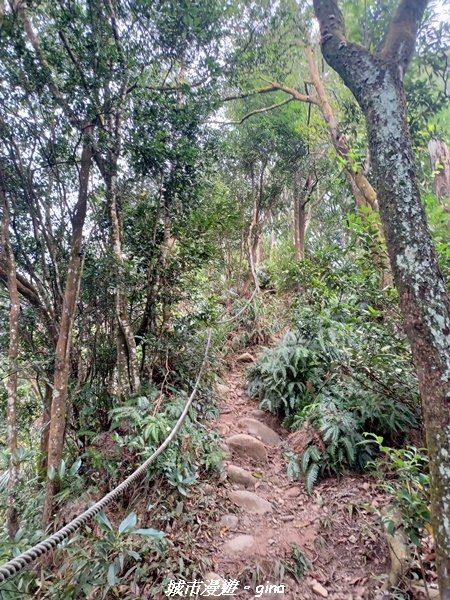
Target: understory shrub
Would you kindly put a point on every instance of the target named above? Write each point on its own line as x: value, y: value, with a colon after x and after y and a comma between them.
x: 342, y: 372
x: 110, y: 560
x: 409, y: 488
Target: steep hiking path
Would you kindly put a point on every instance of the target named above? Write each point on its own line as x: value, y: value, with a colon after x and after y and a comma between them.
x: 327, y: 544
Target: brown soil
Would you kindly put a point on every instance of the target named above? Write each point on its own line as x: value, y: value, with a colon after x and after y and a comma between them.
x: 335, y: 529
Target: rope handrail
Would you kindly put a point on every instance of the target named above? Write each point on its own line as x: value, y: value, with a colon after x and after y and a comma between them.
x: 17, y: 564
x: 246, y: 305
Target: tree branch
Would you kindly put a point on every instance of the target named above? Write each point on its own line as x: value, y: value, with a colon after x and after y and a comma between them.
x: 273, y: 87
x: 77, y: 64
x: 24, y: 287
x: 264, y: 90
x: 401, y: 37
x: 331, y: 20
x: 19, y: 9
x: 257, y: 111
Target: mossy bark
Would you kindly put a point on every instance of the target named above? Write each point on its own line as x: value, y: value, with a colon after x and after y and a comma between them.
x: 376, y: 82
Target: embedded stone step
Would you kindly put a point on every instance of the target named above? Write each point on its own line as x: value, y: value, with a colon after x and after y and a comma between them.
x: 241, y: 476
x: 250, y: 502
x: 239, y: 546
x: 229, y: 521
x: 246, y: 446
x: 292, y: 492
x: 222, y: 429
x: 260, y: 430
x: 257, y: 413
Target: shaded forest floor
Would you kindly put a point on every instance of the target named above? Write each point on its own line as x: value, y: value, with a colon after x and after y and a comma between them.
x: 329, y: 544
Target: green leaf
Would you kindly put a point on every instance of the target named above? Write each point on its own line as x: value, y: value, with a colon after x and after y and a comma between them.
x: 103, y: 520
x: 128, y: 524
x: 311, y: 477
x: 62, y: 468
x: 51, y: 472
x: 75, y: 467
x: 112, y: 574
x: 155, y: 533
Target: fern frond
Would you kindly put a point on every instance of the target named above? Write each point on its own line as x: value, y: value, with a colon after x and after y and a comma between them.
x: 349, y: 449
x: 306, y: 457
x: 311, y: 477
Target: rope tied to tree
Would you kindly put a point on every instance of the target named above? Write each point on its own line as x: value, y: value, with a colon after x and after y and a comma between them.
x: 20, y: 562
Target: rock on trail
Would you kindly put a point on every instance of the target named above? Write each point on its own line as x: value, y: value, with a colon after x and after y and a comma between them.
x: 237, y: 546
x: 259, y: 430
x: 241, y: 476
x: 245, y: 446
x: 250, y: 502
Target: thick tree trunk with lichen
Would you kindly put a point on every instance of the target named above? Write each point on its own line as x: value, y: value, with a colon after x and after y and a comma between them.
x: 376, y: 82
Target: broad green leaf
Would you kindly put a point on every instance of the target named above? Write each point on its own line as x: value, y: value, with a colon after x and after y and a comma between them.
x: 62, y: 468
x: 112, y: 575
x: 103, y: 520
x: 128, y: 523
x: 156, y: 533
x: 75, y: 467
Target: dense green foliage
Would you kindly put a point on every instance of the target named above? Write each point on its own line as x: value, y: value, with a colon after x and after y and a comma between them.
x: 199, y: 155
x: 344, y: 369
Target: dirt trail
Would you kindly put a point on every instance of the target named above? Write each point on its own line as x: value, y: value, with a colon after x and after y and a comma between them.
x: 272, y: 520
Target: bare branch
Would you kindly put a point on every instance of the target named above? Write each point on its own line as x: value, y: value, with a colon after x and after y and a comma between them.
x: 296, y: 95
x: 257, y: 111
x: 264, y: 90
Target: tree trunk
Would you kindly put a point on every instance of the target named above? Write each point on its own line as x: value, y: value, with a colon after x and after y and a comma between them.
x: 127, y: 362
x: 364, y: 193
x: 302, y: 197
x: 164, y: 258
x: 440, y: 163
x: 376, y: 82
x: 13, y: 352
x: 297, y: 246
x: 46, y: 417
x: 64, y: 344
x: 302, y: 228
x: 251, y: 237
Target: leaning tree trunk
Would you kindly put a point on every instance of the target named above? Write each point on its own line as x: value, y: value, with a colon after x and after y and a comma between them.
x: 440, y: 163
x: 12, y: 521
x: 64, y: 344
x: 376, y: 82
